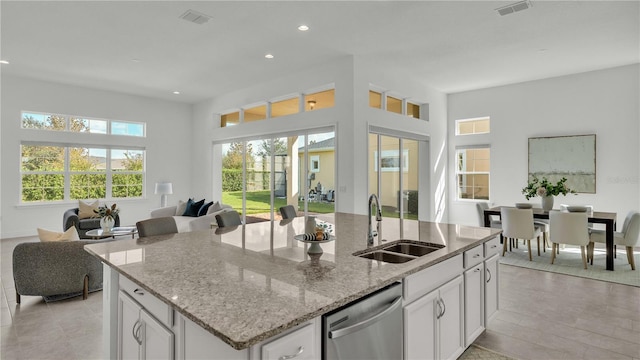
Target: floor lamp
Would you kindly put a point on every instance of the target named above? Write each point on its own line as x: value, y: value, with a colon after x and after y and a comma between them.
x: 164, y: 189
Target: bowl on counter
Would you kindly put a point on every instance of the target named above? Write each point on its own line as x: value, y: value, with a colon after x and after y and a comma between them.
x: 524, y: 205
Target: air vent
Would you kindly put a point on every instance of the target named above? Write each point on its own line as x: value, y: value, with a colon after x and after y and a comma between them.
x: 195, y: 17
x: 515, y: 7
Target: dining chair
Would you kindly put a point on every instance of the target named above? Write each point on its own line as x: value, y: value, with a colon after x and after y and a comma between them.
x: 629, y: 237
x: 480, y: 208
x: 157, y: 226
x: 228, y: 218
x: 568, y: 228
x: 288, y: 212
x: 518, y: 224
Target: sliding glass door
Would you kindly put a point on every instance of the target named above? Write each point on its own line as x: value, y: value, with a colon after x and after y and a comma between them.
x: 261, y: 175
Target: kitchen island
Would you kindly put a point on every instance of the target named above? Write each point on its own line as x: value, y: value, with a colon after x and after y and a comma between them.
x: 256, y: 282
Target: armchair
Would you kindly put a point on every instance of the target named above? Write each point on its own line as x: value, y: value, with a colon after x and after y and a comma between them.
x: 70, y: 218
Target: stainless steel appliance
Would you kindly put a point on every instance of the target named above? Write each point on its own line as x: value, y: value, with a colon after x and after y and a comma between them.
x: 370, y: 328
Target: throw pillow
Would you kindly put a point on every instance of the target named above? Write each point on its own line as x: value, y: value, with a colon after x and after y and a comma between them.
x: 85, y: 210
x: 204, y: 208
x: 214, y: 208
x: 193, y: 207
x: 181, y: 207
x: 48, y: 235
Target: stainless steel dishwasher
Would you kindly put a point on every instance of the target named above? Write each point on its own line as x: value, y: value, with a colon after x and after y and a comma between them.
x: 368, y: 329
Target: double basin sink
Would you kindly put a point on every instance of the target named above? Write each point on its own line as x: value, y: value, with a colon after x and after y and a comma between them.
x: 400, y: 251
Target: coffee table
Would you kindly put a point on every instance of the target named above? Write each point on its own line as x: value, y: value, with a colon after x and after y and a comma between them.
x: 97, y: 234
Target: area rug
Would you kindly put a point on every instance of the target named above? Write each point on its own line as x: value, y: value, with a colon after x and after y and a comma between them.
x: 569, y: 262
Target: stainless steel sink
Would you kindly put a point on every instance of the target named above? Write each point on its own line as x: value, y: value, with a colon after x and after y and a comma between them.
x: 386, y: 257
x: 414, y: 249
x: 400, y: 251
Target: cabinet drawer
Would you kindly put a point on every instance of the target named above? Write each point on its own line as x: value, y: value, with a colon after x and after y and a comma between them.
x: 473, y: 256
x: 301, y: 342
x: 152, y: 304
x: 425, y: 281
x: 492, y: 247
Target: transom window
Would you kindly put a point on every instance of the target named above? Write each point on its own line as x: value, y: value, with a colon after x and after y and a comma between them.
x: 395, y: 104
x: 57, y: 122
x: 473, y: 126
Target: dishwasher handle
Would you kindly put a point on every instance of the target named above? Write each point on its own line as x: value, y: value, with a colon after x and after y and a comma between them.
x: 355, y: 327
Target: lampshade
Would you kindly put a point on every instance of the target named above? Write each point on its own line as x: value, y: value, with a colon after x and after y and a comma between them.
x: 164, y: 188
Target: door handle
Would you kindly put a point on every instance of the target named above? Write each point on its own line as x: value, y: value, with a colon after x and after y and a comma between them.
x: 287, y: 357
x: 364, y: 323
x: 489, y: 273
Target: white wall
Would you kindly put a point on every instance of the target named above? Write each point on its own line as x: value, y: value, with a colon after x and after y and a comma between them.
x: 604, y: 102
x: 168, y: 144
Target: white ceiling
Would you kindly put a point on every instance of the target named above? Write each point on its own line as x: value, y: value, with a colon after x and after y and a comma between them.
x: 452, y: 46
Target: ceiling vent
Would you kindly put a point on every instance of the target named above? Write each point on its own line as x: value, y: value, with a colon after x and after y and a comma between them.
x: 515, y: 7
x: 195, y: 17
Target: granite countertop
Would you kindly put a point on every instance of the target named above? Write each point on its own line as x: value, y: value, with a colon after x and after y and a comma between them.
x: 252, y: 283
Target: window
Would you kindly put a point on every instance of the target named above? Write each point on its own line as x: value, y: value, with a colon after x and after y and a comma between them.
x: 255, y: 113
x: 57, y: 173
x: 319, y: 100
x: 394, y: 105
x: 314, y: 163
x: 55, y: 122
x: 413, y: 110
x: 230, y: 119
x: 285, y: 107
x: 472, y: 173
x: 473, y: 126
x: 375, y: 99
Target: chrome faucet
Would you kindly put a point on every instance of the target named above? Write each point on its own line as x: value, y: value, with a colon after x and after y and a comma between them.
x: 378, y: 219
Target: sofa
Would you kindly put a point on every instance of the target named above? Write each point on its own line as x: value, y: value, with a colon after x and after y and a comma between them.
x: 191, y: 223
x: 70, y: 218
x: 56, y: 270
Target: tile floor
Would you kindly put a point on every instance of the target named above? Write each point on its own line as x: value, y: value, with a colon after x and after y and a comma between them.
x: 542, y: 316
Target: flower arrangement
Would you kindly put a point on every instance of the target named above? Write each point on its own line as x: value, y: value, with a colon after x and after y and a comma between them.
x: 544, y: 187
x: 104, y: 211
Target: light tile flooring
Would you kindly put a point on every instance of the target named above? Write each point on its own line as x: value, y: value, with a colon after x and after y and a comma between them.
x: 543, y: 316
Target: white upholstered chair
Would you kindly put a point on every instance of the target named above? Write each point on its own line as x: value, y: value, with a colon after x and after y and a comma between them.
x: 629, y: 237
x: 518, y: 224
x: 569, y: 228
x: 481, y: 207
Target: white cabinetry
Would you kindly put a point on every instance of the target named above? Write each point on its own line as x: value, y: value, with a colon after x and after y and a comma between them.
x: 140, y: 335
x: 491, y: 287
x: 433, y: 318
x: 473, y: 303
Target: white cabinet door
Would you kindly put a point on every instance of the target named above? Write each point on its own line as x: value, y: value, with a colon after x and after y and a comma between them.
x: 128, y: 324
x: 157, y: 340
x: 451, y: 337
x: 420, y: 327
x: 473, y: 303
x: 491, y: 290
x: 299, y: 345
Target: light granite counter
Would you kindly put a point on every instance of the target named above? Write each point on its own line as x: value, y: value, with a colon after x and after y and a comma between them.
x: 254, y: 282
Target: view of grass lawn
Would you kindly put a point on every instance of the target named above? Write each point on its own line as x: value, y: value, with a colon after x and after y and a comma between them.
x: 258, y: 202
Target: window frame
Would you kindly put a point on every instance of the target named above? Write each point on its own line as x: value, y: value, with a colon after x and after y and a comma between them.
x: 313, y: 158
x: 67, y: 172
x: 68, y: 122
x: 458, y: 172
x: 460, y: 121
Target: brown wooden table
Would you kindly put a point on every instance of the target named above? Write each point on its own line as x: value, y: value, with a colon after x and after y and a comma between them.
x: 598, y: 217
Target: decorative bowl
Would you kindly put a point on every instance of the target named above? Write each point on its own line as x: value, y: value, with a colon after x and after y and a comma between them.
x: 524, y: 205
x: 577, y: 208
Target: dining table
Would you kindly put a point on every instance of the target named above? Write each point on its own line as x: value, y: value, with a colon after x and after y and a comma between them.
x: 596, y: 217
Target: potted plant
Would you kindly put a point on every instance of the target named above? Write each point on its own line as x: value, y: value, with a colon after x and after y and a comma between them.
x: 546, y: 190
x: 107, y: 216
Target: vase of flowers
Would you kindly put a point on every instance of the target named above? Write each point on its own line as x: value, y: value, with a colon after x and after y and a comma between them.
x: 107, y: 216
x: 546, y: 190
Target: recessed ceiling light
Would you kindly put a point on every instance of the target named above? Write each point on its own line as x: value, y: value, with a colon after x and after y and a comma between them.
x: 269, y: 56
x: 303, y: 28
x: 176, y: 92
x: 4, y: 62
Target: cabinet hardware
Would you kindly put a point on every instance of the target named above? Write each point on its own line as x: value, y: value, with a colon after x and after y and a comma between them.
x: 287, y: 357
x: 134, y: 331
x: 439, y: 314
x: 355, y: 327
x: 489, y: 273
x: 494, y: 246
x: 476, y: 270
x: 138, y: 291
x: 444, y: 308
x: 476, y: 255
